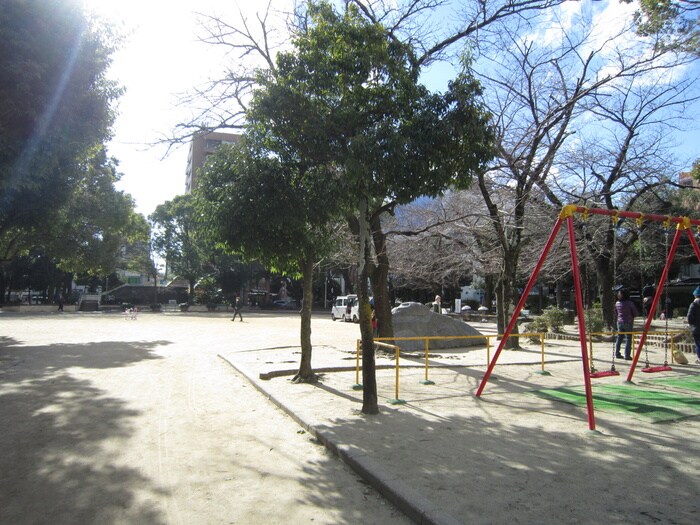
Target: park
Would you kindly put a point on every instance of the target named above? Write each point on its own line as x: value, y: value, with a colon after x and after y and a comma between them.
x: 165, y: 419
x: 383, y: 157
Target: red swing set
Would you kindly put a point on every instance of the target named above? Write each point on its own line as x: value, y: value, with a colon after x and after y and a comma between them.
x: 566, y: 216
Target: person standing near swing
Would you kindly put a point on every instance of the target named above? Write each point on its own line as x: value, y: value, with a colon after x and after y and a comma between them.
x: 694, y: 320
x: 626, y: 312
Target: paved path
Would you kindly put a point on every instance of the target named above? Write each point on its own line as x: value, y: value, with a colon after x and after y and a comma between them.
x: 112, y: 421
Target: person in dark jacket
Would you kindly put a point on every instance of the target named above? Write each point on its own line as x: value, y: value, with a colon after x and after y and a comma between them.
x: 694, y: 320
x: 237, y: 309
x: 626, y: 312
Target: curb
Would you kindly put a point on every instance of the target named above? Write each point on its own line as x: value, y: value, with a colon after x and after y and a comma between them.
x: 414, y: 505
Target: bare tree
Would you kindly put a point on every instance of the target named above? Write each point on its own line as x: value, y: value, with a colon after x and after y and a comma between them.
x: 545, y: 95
x: 249, y: 45
x: 627, y: 164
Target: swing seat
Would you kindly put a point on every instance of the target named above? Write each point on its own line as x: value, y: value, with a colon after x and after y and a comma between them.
x: 605, y: 373
x: 654, y: 369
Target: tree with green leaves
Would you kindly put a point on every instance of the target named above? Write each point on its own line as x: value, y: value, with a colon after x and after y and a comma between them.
x: 674, y: 21
x: 88, y: 232
x: 273, y: 209
x: 91, y: 229
x: 56, y: 106
x: 347, y: 96
x: 177, y: 237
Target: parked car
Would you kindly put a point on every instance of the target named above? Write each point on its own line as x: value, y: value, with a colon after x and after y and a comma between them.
x: 286, y: 304
x: 340, y: 308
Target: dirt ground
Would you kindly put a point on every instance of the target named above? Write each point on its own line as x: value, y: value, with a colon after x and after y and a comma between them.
x: 147, y: 421
x: 112, y: 421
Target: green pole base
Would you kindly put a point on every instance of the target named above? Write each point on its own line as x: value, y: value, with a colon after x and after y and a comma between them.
x: 427, y: 382
x: 357, y: 387
x: 397, y: 402
x: 544, y: 373
x: 598, y: 432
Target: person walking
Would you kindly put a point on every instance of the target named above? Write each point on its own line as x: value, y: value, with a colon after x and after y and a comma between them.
x: 237, y: 309
x: 626, y: 312
x: 694, y: 321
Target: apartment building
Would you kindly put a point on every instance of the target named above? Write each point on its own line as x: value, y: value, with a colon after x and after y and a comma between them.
x: 204, y: 143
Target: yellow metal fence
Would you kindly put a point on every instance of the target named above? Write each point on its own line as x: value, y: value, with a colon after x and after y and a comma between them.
x: 668, y: 342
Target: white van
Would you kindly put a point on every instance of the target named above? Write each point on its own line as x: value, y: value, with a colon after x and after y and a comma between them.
x: 340, y: 308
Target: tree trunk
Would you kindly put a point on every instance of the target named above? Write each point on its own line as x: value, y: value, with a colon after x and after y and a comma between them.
x: 559, y: 294
x: 507, y: 300
x: 488, y: 291
x: 607, y: 295
x: 155, y: 287
x: 379, y: 276
x: 190, y: 291
x: 369, y: 377
x: 306, y: 373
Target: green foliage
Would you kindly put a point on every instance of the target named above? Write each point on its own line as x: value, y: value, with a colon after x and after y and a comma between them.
x: 264, y: 208
x: 89, y: 232
x: 555, y: 318
x: 208, y: 292
x: 595, y: 322
x: 179, y: 237
x: 552, y: 319
x: 348, y: 95
x: 536, y: 326
x: 55, y: 107
x: 675, y: 21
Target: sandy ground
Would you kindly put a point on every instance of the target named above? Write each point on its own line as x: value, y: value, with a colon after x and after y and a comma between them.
x: 112, y: 421
x: 115, y: 421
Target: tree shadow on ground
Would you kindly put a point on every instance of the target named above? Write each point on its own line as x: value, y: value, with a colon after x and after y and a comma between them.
x: 499, y: 459
x: 61, y: 437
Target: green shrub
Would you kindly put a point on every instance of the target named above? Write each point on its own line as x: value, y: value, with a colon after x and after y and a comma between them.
x: 555, y: 318
x: 594, y: 319
x: 536, y: 326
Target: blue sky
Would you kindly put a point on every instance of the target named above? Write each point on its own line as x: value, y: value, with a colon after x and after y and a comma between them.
x: 161, y: 59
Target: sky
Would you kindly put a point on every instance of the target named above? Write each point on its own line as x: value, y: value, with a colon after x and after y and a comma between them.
x: 160, y: 60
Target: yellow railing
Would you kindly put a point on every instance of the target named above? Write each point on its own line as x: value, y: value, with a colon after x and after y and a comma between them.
x: 380, y: 342
x: 666, y: 333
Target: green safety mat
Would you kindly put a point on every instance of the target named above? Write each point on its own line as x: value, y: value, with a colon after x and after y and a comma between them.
x: 691, y: 383
x: 644, y: 403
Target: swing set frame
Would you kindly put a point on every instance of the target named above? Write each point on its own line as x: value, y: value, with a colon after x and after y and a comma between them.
x: 567, y: 216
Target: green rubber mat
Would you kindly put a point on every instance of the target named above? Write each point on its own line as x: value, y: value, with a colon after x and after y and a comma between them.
x: 643, y: 403
x: 691, y: 383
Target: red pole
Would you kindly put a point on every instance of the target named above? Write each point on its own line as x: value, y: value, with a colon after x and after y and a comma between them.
x: 657, y: 295
x: 581, y: 324
x: 523, y: 298
x: 694, y: 243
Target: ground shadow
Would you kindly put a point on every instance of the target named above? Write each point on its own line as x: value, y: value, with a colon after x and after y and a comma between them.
x: 61, y: 436
x: 483, y: 469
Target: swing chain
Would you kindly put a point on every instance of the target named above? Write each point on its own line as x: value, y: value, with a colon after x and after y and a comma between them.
x: 667, y: 231
x: 615, y: 219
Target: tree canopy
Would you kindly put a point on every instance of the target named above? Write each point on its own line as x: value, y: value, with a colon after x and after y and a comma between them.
x: 346, y: 100
x: 178, y: 236
x: 676, y: 21
x: 56, y: 106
